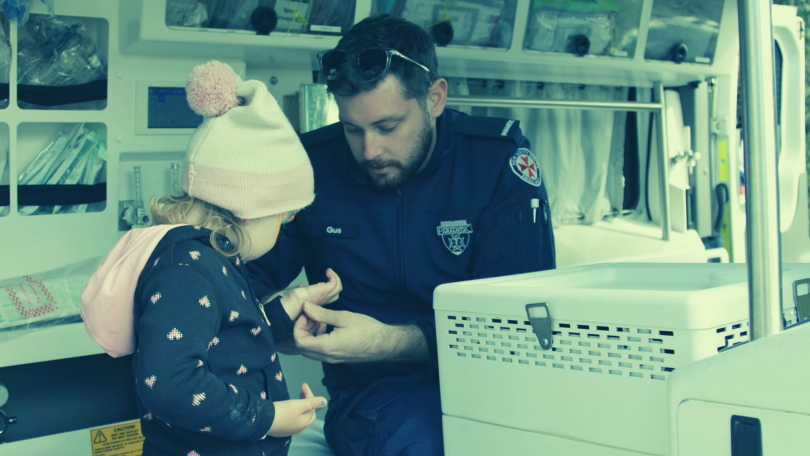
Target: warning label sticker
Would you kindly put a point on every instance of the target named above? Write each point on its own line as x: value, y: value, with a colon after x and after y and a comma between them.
x: 120, y: 440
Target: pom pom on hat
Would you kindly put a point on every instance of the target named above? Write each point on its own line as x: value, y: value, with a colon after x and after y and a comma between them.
x: 211, y: 89
x: 248, y: 159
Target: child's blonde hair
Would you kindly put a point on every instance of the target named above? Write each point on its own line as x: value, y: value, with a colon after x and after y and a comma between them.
x: 174, y: 210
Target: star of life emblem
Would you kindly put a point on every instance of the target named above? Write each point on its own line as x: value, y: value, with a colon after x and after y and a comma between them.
x: 525, y: 166
x: 455, y: 235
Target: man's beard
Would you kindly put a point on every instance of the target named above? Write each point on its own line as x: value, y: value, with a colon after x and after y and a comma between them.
x: 406, y: 169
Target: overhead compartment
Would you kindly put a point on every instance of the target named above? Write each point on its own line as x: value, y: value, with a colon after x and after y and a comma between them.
x: 263, y: 17
x: 573, y: 41
x: 615, y: 42
x: 260, y: 32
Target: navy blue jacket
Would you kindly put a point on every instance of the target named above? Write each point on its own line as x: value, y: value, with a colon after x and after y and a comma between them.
x: 466, y: 215
x: 206, y: 369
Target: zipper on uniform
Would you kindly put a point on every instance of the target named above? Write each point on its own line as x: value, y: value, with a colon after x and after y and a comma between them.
x: 399, y: 261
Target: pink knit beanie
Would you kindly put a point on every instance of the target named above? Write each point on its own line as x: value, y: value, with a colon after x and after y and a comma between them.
x: 245, y: 157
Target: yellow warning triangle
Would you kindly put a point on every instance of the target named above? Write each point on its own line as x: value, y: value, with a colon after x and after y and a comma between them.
x: 100, y: 438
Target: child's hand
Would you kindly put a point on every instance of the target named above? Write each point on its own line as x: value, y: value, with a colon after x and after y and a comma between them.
x: 295, y: 415
x: 306, y: 326
x: 318, y: 294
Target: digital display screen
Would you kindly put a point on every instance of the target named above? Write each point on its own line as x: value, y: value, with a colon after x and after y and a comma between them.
x: 168, y: 108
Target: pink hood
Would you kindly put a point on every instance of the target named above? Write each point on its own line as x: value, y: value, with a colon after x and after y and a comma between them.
x: 108, y: 299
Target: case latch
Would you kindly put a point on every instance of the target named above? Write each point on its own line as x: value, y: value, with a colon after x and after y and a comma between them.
x: 540, y: 319
x: 802, y: 301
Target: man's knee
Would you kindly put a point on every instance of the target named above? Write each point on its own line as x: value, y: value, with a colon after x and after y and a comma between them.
x: 413, y: 425
x: 388, y: 421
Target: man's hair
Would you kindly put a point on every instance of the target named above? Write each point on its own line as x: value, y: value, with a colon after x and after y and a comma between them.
x: 387, y: 32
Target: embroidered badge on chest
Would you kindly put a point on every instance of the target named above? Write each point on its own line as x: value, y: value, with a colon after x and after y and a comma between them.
x: 455, y: 235
x: 525, y: 166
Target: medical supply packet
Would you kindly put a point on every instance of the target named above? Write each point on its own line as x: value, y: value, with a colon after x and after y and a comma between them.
x: 44, y: 299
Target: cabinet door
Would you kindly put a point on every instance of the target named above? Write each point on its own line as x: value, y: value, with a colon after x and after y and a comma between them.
x: 578, y: 27
x: 684, y: 30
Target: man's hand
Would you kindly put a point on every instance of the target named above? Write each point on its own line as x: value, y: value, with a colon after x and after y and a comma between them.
x: 319, y: 294
x: 295, y: 415
x: 356, y: 338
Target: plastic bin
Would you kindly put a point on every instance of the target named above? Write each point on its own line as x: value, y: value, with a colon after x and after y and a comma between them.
x: 616, y: 331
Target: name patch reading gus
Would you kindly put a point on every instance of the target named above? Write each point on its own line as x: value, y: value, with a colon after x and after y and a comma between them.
x: 455, y: 235
x: 336, y: 230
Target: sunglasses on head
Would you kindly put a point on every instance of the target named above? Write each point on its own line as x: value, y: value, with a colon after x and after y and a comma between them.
x: 373, y: 63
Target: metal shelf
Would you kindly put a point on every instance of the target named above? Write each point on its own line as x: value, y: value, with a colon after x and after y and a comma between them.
x: 46, y: 344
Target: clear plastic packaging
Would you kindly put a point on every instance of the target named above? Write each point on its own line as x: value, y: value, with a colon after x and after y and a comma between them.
x: 3, y: 163
x: 572, y: 26
x: 5, y: 63
x: 293, y: 15
x: 186, y: 13
x: 74, y: 156
x: 19, y: 10
x: 45, y: 299
x: 483, y: 23
x: 331, y: 16
x: 86, y: 171
x: 58, y: 53
x: 5, y: 56
x: 230, y: 14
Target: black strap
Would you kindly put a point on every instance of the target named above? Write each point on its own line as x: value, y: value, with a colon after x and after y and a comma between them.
x: 54, y: 96
x: 55, y: 195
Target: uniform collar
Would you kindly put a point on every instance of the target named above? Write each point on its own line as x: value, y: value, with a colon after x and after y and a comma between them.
x: 351, y: 166
x: 444, y: 141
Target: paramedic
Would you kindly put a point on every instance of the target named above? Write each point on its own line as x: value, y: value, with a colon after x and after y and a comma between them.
x: 409, y: 195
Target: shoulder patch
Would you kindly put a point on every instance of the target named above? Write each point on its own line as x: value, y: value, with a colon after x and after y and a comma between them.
x: 525, y: 166
x: 488, y: 127
x: 322, y: 135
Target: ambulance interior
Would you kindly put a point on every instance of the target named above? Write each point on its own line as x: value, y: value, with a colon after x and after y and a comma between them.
x: 632, y: 110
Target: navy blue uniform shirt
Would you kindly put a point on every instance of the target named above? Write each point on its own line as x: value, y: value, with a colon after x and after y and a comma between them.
x: 466, y: 215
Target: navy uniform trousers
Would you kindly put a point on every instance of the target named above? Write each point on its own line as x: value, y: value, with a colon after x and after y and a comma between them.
x: 392, y: 416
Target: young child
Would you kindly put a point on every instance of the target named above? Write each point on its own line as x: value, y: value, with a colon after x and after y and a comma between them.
x: 208, y: 379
